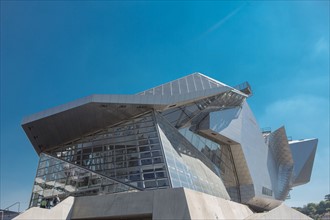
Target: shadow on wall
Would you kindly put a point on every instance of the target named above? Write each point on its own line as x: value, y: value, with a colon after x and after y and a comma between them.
x: 224, y: 118
x: 271, y: 165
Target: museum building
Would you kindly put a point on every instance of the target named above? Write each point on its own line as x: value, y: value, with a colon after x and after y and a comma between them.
x: 194, y: 133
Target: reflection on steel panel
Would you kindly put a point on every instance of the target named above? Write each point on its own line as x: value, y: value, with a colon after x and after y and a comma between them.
x: 278, y: 143
x: 303, y: 153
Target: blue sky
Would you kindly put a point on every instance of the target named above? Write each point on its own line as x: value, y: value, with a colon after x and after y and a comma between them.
x: 54, y: 52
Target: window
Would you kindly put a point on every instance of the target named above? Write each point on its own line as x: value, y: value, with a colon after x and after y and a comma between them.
x: 267, y: 191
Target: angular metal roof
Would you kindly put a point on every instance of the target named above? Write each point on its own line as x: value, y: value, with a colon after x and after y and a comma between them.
x: 65, y: 123
x: 188, y: 84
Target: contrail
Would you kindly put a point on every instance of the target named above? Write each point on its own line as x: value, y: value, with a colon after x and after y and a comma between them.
x: 223, y: 20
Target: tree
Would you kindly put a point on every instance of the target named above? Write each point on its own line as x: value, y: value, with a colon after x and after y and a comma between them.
x: 327, y: 197
x: 311, y: 209
x: 321, y: 207
x: 316, y: 211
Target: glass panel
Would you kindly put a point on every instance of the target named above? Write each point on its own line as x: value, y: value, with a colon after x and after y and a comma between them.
x: 149, y: 176
x: 70, y: 180
x: 150, y: 184
x: 220, y: 155
x: 146, y: 161
x: 162, y: 182
x: 188, y: 166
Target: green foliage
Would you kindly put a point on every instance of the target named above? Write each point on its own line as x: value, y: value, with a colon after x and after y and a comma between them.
x: 316, y: 210
x: 327, y: 197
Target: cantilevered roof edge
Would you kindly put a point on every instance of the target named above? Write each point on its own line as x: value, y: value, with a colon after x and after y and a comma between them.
x: 156, y: 101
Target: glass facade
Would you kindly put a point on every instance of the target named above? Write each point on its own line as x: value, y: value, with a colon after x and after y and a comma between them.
x: 56, y: 177
x: 221, y: 157
x: 129, y: 152
x: 142, y: 153
x: 187, y: 166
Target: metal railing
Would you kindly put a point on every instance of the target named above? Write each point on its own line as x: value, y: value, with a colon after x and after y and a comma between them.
x: 266, y: 130
x: 19, y: 205
x: 245, y: 88
x: 6, y: 212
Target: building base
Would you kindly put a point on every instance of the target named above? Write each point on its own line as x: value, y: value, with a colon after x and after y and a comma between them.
x: 177, y: 203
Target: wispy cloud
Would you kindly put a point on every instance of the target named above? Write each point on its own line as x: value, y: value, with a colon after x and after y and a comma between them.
x: 302, y: 115
x: 224, y: 20
x: 321, y: 46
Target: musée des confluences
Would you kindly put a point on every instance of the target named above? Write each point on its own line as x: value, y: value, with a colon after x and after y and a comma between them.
x: 194, y: 132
